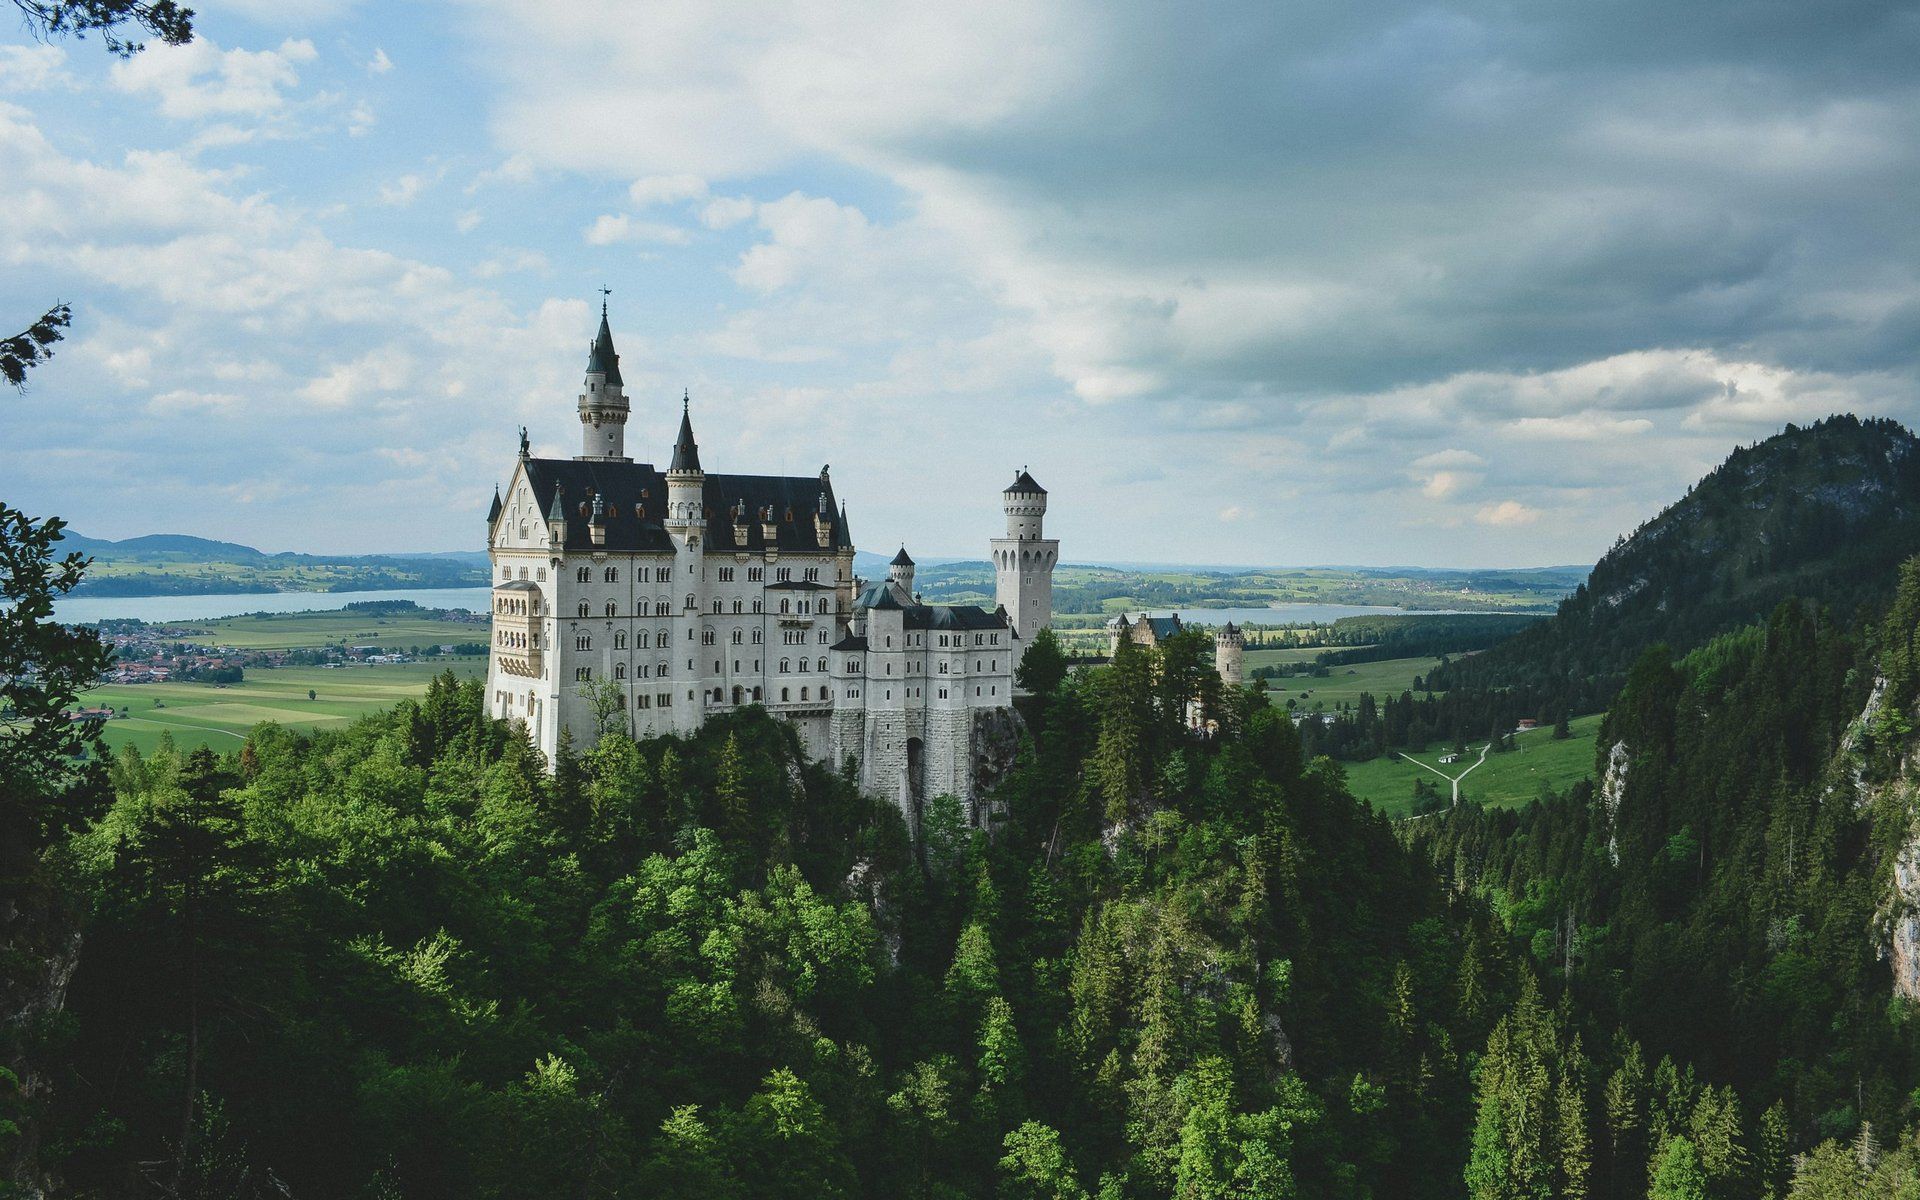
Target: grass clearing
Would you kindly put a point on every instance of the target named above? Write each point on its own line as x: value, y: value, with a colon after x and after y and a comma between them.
x: 205, y: 714
x: 1388, y: 677
x: 1503, y: 781
x: 306, y: 630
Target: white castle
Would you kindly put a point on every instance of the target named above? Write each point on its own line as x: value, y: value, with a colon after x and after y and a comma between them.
x: 693, y: 593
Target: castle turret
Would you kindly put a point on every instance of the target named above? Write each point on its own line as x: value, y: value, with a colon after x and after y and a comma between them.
x: 1023, y: 561
x: 557, y: 518
x: 1229, y: 655
x: 900, y: 571
x: 603, y: 400
x: 685, y: 480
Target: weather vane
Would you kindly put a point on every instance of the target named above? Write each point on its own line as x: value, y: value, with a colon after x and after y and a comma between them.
x: 605, y: 291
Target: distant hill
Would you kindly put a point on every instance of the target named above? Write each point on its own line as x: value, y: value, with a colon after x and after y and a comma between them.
x: 169, y: 564
x: 1825, y: 513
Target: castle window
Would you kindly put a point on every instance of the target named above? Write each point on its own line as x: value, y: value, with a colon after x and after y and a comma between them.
x: 690, y: 603
x: 783, y: 574
x: 610, y: 608
x: 620, y: 640
x: 582, y: 575
x: 813, y: 574
x: 823, y: 637
x: 943, y: 668
x: 786, y: 665
x: 976, y: 690
x: 756, y: 637
x: 619, y: 670
x: 785, y: 606
x: 943, y: 693
x: 523, y: 573
x: 821, y: 666
x: 660, y: 608
x: 613, y: 575
x: 583, y: 642
x: 666, y: 574
x: 756, y: 605
x: 726, y: 574
x: 756, y: 574
x: 583, y: 608
x: 506, y: 572
x: 539, y: 573
x: 706, y: 637
x: 738, y: 636
x: 582, y: 674
x: 803, y: 693
x: 736, y: 606
x: 889, y: 641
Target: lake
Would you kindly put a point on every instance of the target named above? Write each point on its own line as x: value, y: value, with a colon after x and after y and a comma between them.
x: 160, y: 609
x: 79, y: 610
x: 1291, y: 613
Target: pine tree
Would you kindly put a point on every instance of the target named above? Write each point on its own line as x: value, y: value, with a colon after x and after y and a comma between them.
x: 1677, y: 1174
x: 1626, y: 1123
x: 1771, y: 1165
x: 1576, y: 1150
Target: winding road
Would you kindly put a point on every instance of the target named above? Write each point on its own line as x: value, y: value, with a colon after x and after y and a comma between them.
x: 1452, y: 779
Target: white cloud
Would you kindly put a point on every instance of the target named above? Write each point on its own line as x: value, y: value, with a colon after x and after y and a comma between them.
x: 609, y: 228
x: 200, y: 80
x: 1507, y: 512
x: 467, y: 220
x: 724, y: 212
x: 380, y: 64
x: 666, y: 189
x: 33, y: 68
x: 1578, y: 427
x: 402, y: 191
x: 1233, y: 512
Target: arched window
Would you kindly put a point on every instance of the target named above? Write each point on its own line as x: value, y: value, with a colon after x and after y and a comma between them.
x: 610, y: 608
x: 756, y: 695
x: 583, y: 608
x: 620, y: 640
x: 785, y: 694
x: 786, y: 606
x: 660, y: 608
x: 716, y: 608
x: 690, y: 603
x: 786, y: 665
x: 619, y: 670
x: 582, y: 575
x: 736, y: 606
x: 756, y: 637
x: 613, y: 575
x: 823, y: 665
x: 803, y: 693
x: 738, y: 636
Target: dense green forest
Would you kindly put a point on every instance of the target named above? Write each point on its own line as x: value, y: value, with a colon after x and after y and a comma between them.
x: 405, y: 959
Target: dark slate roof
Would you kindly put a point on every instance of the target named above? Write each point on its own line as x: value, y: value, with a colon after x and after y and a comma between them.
x: 517, y: 585
x: 879, y: 595
x: 493, y: 514
x: 601, y: 359
x: 1024, y: 483
x: 901, y: 559
x: 1164, y: 627
x: 799, y: 585
x: 849, y: 642
x: 953, y: 616
x: 686, y: 453
x: 635, y: 495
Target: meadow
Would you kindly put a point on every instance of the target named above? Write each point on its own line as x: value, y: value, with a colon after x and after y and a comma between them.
x: 1388, y: 677
x: 205, y: 714
x: 306, y: 630
x: 1507, y: 780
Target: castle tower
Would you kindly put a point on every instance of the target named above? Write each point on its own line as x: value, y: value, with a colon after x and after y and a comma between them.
x: 1023, y: 561
x: 686, y: 524
x: 1229, y: 653
x: 603, y: 403
x: 900, y: 571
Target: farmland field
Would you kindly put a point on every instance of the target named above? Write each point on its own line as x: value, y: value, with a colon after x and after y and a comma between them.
x: 290, y: 631
x: 1503, y: 781
x: 1388, y: 677
x: 204, y: 714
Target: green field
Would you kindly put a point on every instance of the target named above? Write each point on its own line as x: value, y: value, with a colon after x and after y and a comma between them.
x: 204, y: 714
x: 293, y: 631
x: 1388, y: 677
x: 1503, y: 781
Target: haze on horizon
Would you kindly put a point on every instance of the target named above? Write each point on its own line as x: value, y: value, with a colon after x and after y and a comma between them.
x: 1438, y: 286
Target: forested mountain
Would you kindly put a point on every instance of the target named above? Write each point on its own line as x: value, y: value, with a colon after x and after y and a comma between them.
x: 1825, y: 513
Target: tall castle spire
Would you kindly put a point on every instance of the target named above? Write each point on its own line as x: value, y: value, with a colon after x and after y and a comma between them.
x: 603, y: 402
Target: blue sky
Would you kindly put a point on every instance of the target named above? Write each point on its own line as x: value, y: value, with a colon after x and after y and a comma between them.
x: 1301, y: 283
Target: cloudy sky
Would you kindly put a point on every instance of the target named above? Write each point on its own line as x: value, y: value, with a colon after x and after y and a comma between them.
x: 1441, y: 284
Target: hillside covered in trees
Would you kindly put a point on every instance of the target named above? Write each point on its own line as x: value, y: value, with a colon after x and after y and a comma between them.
x: 1824, y: 513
